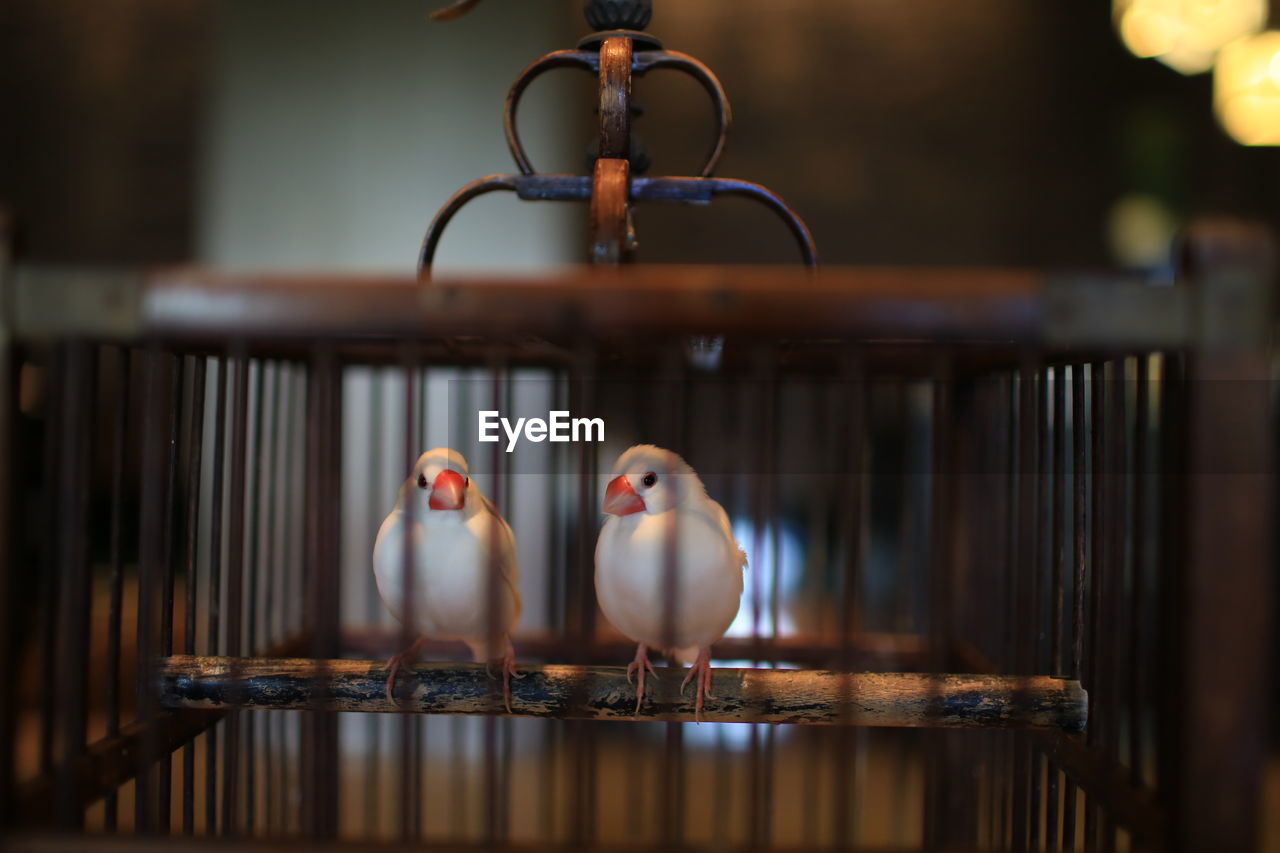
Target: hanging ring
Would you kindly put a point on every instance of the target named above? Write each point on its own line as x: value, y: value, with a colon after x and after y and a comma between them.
x: 641, y: 62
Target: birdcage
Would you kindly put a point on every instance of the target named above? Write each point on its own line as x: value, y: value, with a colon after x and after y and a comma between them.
x: 1008, y: 537
x: 969, y: 498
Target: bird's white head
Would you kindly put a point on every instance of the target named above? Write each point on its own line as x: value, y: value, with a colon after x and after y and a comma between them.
x: 440, y: 480
x: 650, y: 479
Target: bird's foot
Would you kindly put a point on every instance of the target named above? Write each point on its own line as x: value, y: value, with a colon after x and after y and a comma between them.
x: 701, y: 670
x: 508, y: 673
x: 638, y: 666
x: 507, y: 666
x: 401, y: 659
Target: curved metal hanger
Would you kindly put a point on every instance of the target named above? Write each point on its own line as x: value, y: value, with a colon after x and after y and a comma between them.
x: 611, y: 189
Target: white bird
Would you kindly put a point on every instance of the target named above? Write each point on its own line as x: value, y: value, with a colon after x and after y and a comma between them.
x: 668, y: 571
x: 461, y: 549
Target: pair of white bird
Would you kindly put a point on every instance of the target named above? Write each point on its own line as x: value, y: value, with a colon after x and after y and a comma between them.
x: 668, y: 571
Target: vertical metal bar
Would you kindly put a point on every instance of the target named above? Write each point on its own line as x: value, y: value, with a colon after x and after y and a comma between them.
x: 292, y: 552
x: 409, y: 794
x: 851, y: 442
x: 256, y: 469
x: 1079, y: 568
x: 165, y: 788
x: 234, y: 636
x: 124, y: 383
x: 273, y: 744
x: 494, y: 806
x: 1114, y: 591
x: 1024, y: 787
x: 557, y: 604
x: 48, y: 584
x: 195, y: 460
x: 954, y: 815
x: 373, y: 726
x: 1011, y: 583
x: 157, y: 413
x: 672, y: 385
x: 504, y: 498
x: 760, y: 763
x: 9, y: 559
x: 1079, y: 503
x: 1098, y: 507
x: 311, y: 576
x: 1228, y: 589
x: 673, y: 784
x: 986, y: 491
x: 830, y: 414
x: 174, y: 461
x: 1056, y: 515
x: 320, y: 728
x: 1138, y: 597
x: 582, y: 628
x: 75, y: 390
x: 1042, y: 590
x: 1172, y: 543
x: 774, y: 522
x: 215, y: 580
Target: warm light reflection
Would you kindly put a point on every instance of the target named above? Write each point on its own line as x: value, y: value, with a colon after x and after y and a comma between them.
x: 1246, y: 89
x: 1186, y: 34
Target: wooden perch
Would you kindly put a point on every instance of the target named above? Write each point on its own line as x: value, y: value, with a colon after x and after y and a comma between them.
x: 602, y: 693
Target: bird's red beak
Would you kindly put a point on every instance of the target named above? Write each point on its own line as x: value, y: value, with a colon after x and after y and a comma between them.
x: 449, y: 491
x: 621, y: 499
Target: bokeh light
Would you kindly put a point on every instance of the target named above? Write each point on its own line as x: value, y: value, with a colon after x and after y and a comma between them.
x: 1246, y: 89
x: 1140, y: 230
x: 1186, y: 35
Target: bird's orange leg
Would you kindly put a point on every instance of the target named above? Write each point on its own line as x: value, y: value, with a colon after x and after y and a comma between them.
x: 508, y: 673
x: 702, y: 688
x: 506, y: 665
x: 396, y: 661
x: 639, y: 665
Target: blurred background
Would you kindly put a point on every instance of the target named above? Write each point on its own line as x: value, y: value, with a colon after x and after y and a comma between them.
x: 324, y: 134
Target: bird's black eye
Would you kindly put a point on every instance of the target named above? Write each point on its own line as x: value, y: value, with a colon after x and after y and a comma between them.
x: 466, y: 484
x: 649, y: 479
x: 422, y: 481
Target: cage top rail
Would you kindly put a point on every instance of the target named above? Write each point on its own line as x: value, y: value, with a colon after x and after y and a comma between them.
x: 985, y: 306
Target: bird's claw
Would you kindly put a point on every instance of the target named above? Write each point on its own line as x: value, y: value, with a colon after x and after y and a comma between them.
x: 701, y: 670
x: 631, y: 668
x: 393, y: 667
x: 508, y: 672
x: 639, y: 665
x: 397, y: 661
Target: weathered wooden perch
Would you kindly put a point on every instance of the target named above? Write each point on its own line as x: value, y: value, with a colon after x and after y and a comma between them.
x: 602, y: 693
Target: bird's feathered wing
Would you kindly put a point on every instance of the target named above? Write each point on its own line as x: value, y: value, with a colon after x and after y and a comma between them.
x: 716, y: 514
x: 508, y: 565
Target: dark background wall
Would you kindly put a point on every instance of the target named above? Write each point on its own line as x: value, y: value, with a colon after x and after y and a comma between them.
x: 100, y: 126
x: 988, y: 131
